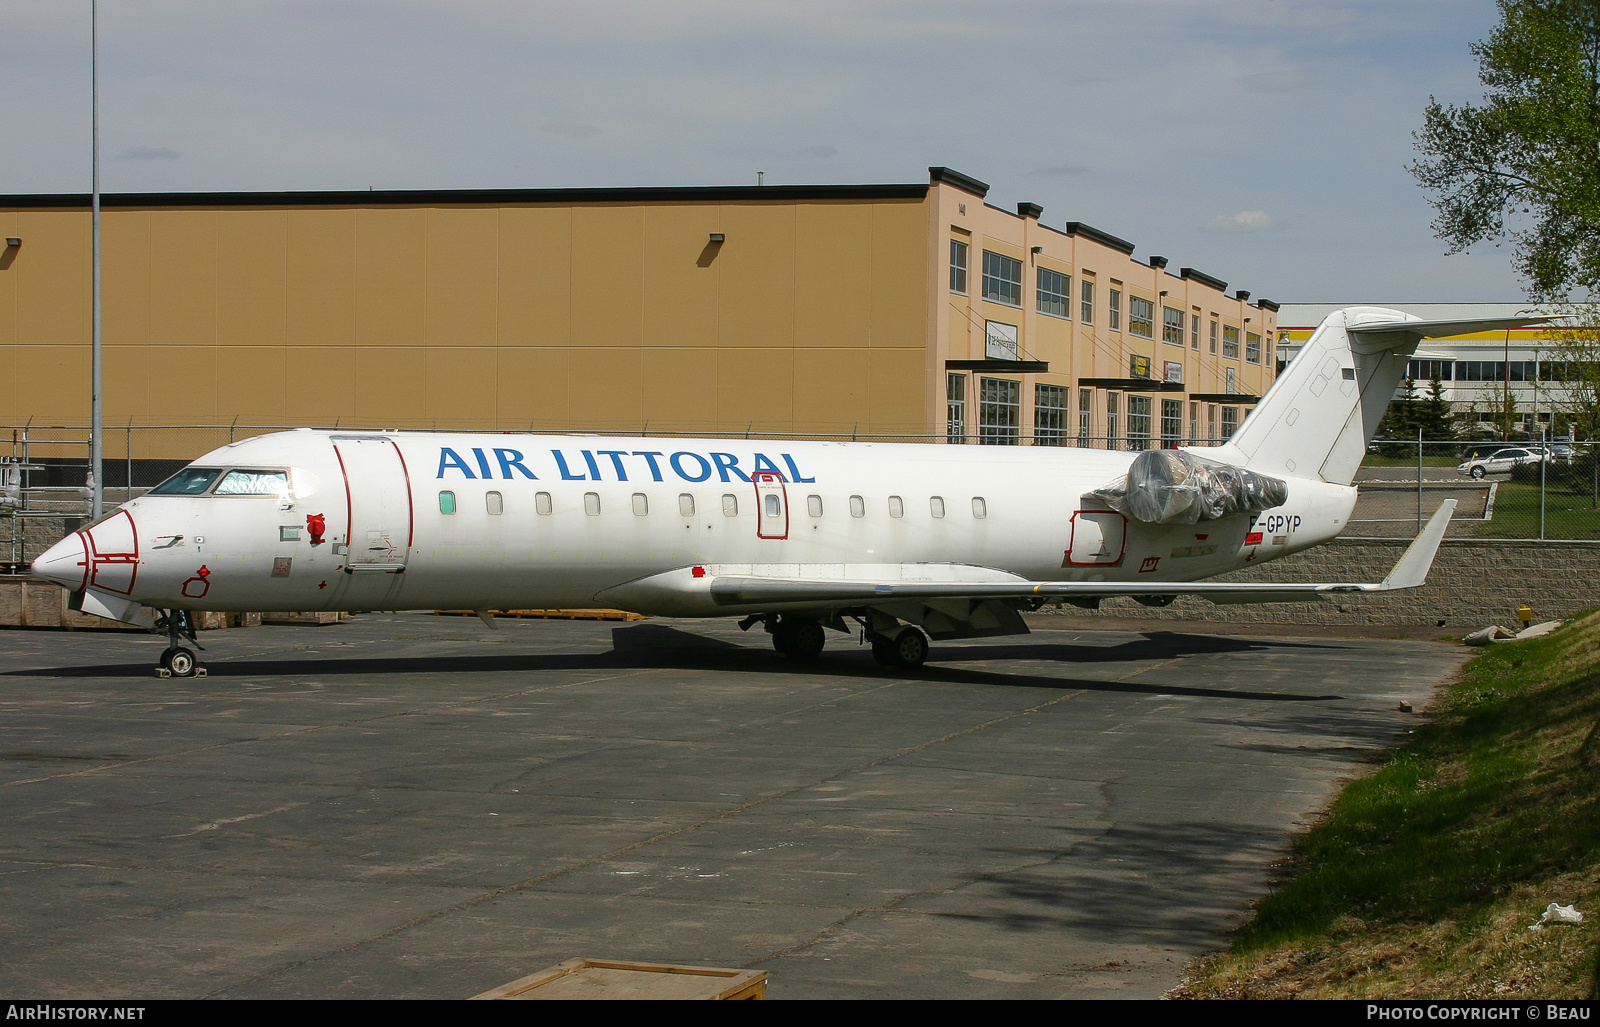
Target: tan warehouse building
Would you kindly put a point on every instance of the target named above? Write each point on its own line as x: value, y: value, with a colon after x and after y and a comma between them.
x: 874, y: 310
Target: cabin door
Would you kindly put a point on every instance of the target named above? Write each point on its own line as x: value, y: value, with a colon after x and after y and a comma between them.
x: 772, y: 505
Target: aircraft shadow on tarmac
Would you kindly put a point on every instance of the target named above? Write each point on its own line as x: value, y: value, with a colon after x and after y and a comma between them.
x: 658, y: 645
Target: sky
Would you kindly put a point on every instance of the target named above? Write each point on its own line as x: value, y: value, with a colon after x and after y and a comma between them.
x: 1262, y: 141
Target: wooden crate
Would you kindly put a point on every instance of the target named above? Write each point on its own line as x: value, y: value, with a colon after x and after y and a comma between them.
x: 622, y: 979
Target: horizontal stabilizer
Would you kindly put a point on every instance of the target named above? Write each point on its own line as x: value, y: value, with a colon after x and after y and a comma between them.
x: 1377, y: 334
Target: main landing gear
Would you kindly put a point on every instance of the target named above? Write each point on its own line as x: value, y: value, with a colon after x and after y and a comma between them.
x: 908, y: 648
x: 798, y: 638
x: 178, y: 660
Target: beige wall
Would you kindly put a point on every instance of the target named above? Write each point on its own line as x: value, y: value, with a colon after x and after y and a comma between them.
x: 1073, y: 349
x: 811, y: 317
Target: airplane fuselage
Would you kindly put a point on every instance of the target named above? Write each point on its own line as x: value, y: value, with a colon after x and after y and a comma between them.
x: 315, y: 520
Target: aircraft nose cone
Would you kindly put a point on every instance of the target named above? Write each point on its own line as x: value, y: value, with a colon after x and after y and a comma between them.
x: 64, y: 563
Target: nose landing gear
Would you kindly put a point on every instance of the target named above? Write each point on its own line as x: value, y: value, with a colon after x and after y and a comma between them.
x: 178, y: 660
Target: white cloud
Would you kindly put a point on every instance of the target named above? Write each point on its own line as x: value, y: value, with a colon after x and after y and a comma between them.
x: 1244, y: 221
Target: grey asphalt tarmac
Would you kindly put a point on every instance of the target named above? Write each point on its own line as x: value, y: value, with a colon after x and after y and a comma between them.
x: 416, y: 806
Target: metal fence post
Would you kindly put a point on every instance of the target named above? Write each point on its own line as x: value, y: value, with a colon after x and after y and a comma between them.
x: 1544, y: 461
x: 1419, y: 481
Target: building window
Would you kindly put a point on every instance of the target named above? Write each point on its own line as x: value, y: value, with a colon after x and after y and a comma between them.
x: 1252, y: 347
x: 1141, y: 317
x: 1213, y: 338
x: 1085, y: 416
x: 955, y: 408
x: 1230, y: 422
x: 1171, y: 423
x: 1054, y: 292
x: 1111, y: 421
x: 1432, y: 370
x: 1086, y: 304
x: 1138, y: 422
x: 1172, y: 326
x: 999, y: 411
x: 1230, y: 341
x: 1002, y: 279
x: 958, y: 266
x: 1194, y: 422
x: 495, y: 503
x: 1049, y: 415
x: 1230, y: 380
x: 1194, y: 332
x: 1114, y: 310
x: 1211, y: 422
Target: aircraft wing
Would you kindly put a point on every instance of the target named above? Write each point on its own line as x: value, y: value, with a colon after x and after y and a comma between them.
x: 1409, y: 571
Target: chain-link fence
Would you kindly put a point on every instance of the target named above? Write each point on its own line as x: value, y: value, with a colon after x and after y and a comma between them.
x: 1512, y: 490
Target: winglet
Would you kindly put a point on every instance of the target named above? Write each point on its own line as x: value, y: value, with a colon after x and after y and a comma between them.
x: 1412, y: 568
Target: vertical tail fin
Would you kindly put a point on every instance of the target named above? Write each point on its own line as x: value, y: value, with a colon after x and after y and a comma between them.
x: 1316, y: 420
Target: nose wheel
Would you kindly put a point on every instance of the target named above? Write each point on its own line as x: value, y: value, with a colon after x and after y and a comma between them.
x: 178, y: 660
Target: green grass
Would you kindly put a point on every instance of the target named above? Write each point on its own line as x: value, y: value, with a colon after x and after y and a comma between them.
x: 1567, y: 515
x: 1423, y: 878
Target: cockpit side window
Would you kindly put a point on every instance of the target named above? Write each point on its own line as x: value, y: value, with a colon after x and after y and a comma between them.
x: 253, y: 482
x: 191, y: 481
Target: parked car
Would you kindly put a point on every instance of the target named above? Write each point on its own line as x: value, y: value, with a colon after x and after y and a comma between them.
x: 1500, y: 461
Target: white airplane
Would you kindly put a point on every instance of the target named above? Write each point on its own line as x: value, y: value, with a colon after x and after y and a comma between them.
x: 910, y: 541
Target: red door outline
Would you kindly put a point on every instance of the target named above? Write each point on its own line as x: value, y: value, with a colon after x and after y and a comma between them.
x: 768, y: 483
x: 1073, y: 539
x: 111, y: 563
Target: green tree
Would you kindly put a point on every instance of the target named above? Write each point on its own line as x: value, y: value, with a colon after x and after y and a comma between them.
x: 1573, y: 373
x: 1523, y: 164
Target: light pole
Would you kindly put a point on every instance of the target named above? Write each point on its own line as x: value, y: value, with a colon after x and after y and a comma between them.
x: 96, y: 442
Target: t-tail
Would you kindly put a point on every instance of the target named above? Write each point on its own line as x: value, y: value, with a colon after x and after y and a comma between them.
x: 1316, y: 420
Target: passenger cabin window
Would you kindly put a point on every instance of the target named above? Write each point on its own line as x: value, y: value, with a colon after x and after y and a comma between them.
x: 858, y: 506
x: 541, y: 504
x: 641, y: 504
x: 730, y: 506
x: 814, y: 506
x: 936, y: 506
x: 496, y: 503
x: 447, y: 502
x: 979, y: 507
x: 685, y: 505
x: 253, y: 483
x: 774, y: 508
x: 191, y: 481
x: 591, y: 504
x: 897, y: 507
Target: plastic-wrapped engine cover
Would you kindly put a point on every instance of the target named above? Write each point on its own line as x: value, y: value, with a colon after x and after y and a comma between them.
x: 1170, y: 486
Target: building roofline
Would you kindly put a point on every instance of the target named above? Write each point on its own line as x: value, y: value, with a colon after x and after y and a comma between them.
x: 960, y: 181
x: 1203, y: 278
x: 1104, y: 238
x: 478, y: 197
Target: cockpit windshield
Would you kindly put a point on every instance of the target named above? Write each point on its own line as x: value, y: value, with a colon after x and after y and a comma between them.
x: 252, y: 482
x: 191, y: 481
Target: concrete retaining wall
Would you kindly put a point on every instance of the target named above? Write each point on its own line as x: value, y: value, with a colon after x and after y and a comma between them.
x: 1472, y: 583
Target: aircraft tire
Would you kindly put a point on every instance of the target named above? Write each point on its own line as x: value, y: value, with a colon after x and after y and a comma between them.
x: 179, y: 661
x: 806, y: 639
x: 910, y: 648
x: 783, y: 637
x: 883, y: 651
